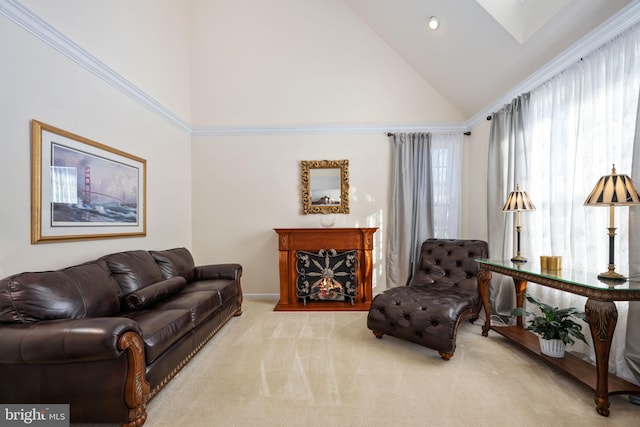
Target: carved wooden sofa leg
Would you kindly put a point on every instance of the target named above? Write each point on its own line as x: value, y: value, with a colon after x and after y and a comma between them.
x: 446, y: 356
x: 137, y: 388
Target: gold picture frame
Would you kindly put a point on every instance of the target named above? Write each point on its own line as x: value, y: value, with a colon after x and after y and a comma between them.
x: 325, y: 186
x: 81, y: 189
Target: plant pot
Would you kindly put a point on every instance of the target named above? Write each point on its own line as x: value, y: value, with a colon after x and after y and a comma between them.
x: 552, y: 348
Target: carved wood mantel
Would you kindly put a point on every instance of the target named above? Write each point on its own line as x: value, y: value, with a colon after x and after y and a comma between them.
x: 291, y: 240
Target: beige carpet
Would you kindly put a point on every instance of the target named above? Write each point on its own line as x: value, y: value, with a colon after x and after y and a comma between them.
x: 269, y: 368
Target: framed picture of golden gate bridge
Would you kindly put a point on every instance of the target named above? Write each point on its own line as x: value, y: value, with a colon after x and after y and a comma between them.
x: 82, y: 189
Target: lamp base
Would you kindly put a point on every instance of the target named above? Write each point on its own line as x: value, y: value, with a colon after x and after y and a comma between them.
x: 612, y: 276
x: 519, y: 258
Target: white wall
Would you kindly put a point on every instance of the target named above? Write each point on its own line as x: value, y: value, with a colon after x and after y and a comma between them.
x: 474, y: 178
x: 292, y: 62
x: 289, y: 63
x: 245, y: 186
x: 282, y: 63
x: 38, y: 82
x: 146, y: 41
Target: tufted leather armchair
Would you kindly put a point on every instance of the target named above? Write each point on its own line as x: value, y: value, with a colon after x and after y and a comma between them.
x: 441, y: 295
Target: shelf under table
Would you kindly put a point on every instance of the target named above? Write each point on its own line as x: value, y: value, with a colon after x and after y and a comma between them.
x: 580, y: 369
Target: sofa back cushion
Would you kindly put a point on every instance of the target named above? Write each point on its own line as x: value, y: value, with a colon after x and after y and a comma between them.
x: 175, y: 262
x: 133, y: 270
x: 86, y: 290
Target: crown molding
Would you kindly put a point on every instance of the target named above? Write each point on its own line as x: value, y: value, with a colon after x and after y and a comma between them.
x: 327, y: 129
x: 604, y: 33
x: 36, y: 26
x: 27, y: 20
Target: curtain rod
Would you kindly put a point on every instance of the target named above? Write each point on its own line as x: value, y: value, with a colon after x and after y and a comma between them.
x: 393, y: 134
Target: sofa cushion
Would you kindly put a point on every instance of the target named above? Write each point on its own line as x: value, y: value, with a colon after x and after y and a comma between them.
x: 175, y: 262
x: 161, y: 329
x: 86, y: 290
x: 201, y: 304
x: 133, y: 270
x: 149, y: 295
x: 227, y: 289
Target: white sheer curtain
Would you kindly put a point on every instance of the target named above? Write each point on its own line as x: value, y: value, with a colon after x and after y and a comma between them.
x: 446, y: 176
x: 425, y: 200
x: 581, y: 123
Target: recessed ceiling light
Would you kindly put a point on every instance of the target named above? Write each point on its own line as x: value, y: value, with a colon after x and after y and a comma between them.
x: 434, y: 22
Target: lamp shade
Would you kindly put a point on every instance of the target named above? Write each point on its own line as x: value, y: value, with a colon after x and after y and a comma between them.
x: 518, y: 201
x: 614, y: 189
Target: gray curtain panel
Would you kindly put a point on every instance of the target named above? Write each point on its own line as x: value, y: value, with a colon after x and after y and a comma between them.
x: 507, y: 143
x: 410, y: 217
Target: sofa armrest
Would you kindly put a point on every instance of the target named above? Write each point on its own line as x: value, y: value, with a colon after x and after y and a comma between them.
x: 64, y: 341
x: 218, y: 271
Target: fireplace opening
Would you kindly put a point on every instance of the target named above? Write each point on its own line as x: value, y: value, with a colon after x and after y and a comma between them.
x: 327, y: 275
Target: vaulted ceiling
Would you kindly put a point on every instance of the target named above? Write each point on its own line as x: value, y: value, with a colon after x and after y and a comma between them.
x: 483, y: 48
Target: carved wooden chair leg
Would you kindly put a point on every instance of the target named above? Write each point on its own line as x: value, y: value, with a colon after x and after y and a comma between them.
x: 446, y: 356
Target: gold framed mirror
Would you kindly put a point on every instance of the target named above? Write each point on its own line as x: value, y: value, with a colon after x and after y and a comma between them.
x: 325, y: 186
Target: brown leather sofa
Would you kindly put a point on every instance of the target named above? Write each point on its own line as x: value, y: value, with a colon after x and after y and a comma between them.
x: 107, y: 335
x: 441, y: 295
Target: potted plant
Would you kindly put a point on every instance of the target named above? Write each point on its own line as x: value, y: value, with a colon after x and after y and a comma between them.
x: 555, y: 326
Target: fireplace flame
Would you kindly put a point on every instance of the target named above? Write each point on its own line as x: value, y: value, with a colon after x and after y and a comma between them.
x: 329, y: 286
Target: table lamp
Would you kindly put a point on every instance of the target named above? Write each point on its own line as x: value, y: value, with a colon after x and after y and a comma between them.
x: 518, y: 201
x: 613, y: 190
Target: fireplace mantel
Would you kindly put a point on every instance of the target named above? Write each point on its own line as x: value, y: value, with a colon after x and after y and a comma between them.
x: 292, y: 240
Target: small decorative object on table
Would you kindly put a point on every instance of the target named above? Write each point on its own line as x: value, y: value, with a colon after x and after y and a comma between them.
x: 554, y: 324
x: 553, y: 263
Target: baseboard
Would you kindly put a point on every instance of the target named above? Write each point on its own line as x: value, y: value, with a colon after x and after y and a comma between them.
x: 261, y: 296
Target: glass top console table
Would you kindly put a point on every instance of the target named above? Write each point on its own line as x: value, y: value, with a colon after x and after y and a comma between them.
x: 601, y: 313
